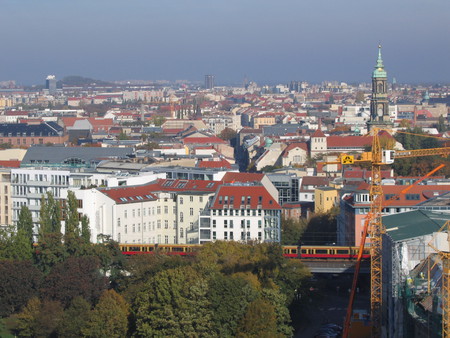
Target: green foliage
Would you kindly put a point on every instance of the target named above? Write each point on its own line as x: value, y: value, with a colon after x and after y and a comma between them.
x: 227, y: 134
x: 158, y: 120
x: 321, y: 228
x: 25, y: 223
x: 19, y: 281
x: 291, y: 230
x: 49, y: 252
x: 418, y: 166
x: 165, y: 306
x: 270, y: 168
x: 123, y: 136
x: 259, y: 321
x: 37, y: 319
x: 229, y: 297
x: 14, y: 245
x: 50, y: 215
x: 75, y: 318
x: 109, y: 318
x: 85, y: 230
x: 76, y: 276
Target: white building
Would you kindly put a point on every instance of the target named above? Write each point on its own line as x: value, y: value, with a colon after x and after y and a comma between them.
x: 242, y: 213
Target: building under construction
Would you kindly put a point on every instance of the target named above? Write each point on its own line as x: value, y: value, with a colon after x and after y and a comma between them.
x: 413, y: 271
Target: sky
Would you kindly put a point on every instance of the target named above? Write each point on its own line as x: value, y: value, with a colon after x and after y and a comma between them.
x: 264, y: 41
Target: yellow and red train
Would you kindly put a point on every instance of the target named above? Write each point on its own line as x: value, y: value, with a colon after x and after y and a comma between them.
x: 289, y: 251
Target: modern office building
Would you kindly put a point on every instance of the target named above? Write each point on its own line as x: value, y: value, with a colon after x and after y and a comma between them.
x: 209, y: 81
x: 50, y: 84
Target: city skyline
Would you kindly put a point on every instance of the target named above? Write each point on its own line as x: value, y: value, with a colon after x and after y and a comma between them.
x: 265, y: 42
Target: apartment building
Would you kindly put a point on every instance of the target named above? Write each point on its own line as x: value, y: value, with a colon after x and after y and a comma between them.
x: 241, y: 212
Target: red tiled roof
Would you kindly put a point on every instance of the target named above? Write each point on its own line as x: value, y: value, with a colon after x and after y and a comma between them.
x: 318, y: 133
x: 424, y: 192
x: 10, y: 164
x: 231, y: 177
x: 348, y: 141
x: 316, y: 181
x: 123, y: 195
x: 301, y: 145
x: 214, y: 164
x: 258, y: 196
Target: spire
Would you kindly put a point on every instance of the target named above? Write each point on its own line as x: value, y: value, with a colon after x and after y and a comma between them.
x: 379, y: 68
x: 379, y: 60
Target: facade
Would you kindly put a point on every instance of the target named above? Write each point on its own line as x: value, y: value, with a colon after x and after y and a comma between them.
x: 355, y: 206
x: 287, y: 185
x: 50, y: 84
x: 241, y: 212
x: 24, y: 135
x: 325, y: 198
x: 28, y: 186
x: 165, y: 211
x: 209, y: 81
x: 5, y: 197
x: 379, y: 105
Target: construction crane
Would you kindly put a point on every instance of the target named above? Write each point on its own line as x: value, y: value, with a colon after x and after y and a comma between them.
x: 377, y: 158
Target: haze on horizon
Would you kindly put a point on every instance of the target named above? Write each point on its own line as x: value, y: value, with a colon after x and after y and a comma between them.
x: 266, y: 41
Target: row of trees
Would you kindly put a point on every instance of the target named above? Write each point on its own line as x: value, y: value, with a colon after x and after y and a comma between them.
x: 64, y: 286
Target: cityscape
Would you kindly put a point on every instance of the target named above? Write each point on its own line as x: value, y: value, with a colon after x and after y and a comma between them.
x: 167, y: 172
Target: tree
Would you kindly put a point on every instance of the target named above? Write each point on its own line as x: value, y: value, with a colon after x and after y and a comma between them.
x: 291, y: 230
x: 14, y: 245
x: 227, y: 134
x: 37, y: 319
x: 123, y: 136
x: 49, y: 252
x: 19, y: 282
x: 75, y: 318
x: 229, y: 297
x: 85, y: 230
x: 164, y: 307
x: 109, y: 318
x: 25, y: 223
x: 360, y: 97
x: 50, y: 215
x: 259, y: 321
x: 76, y: 276
x: 158, y: 120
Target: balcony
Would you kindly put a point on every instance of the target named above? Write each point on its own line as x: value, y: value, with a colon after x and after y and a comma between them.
x: 39, y: 183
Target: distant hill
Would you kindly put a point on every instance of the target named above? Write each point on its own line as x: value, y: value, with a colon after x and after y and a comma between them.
x: 74, y: 80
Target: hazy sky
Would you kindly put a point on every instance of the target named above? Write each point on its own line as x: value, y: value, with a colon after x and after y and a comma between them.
x: 268, y: 41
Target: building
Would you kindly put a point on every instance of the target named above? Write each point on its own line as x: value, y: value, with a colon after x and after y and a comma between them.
x: 209, y: 81
x: 5, y: 197
x: 241, y: 212
x: 26, y: 135
x: 163, y: 211
x: 325, y: 198
x: 50, y: 84
x: 379, y: 105
x: 355, y: 206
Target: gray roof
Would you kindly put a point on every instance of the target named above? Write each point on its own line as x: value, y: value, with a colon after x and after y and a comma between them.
x: 414, y: 224
x: 72, y: 156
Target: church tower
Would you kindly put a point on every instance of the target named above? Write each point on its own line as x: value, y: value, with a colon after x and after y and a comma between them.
x: 379, y: 105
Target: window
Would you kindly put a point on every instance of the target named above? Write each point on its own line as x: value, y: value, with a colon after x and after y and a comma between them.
x: 259, y: 223
x: 191, y: 226
x: 260, y: 235
x: 201, y: 198
x: 145, y: 226
x: 181, y: 233
x: 214, y: 223
x: 158, y: 224
x: 139, y: 227
x: 214, y: 235
x: 191, y: 211
x: 158, y: 210
x: 242, y: 223
x: 166, y: 224
x: 166, y: 209
x: 118, y: 222
x: 126, y: 228
x: 181, y: 217
x: 225, y: 224
x: 139, y: 212
x: 125, y: 214
x: 166, y: 239
x: 181, y: 200
x: 231, y: 224
x: 191, y: 198
x: 134, y: 227
x: 248, y: 223
x: 225, y: 235
x: 174, y: 209
x: 134, y: 213
x: 231, y: 236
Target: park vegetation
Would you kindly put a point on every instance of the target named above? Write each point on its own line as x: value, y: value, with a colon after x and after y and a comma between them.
x: 59, y: 284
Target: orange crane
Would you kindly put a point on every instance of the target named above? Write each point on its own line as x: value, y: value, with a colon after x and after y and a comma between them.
x: 379, y: 157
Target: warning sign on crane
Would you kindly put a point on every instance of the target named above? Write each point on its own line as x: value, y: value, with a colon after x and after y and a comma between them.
x: 347, y: 159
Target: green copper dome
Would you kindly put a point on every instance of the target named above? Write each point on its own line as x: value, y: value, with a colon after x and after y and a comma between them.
x: 379, y: 68
x: 426, y: 96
